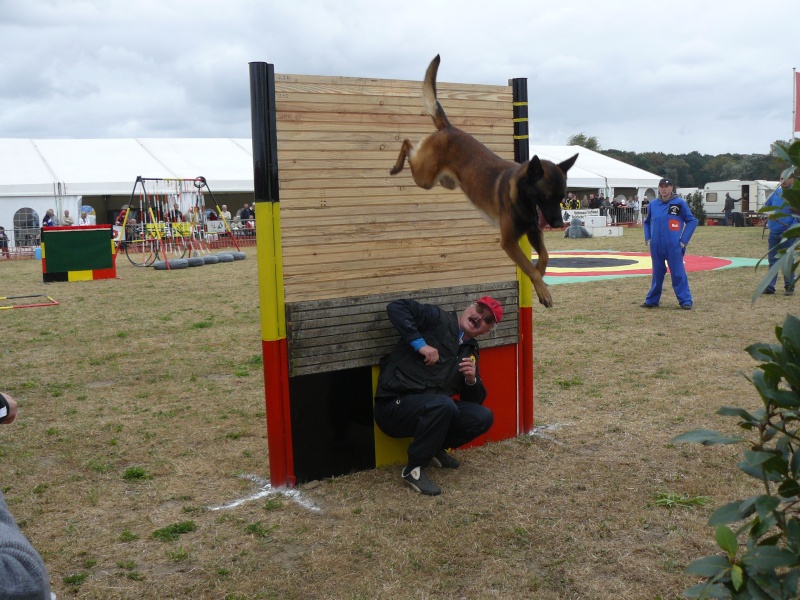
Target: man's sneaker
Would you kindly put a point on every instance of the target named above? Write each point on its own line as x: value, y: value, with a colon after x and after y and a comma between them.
x: 418, y: 480
x: 769, y: 291
x: 646, y: 305
x: 789, y: 291
x: 445, y: 460
x: 686, y: 306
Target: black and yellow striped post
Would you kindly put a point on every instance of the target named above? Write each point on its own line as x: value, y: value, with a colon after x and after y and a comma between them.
x: 270, y: 273
x: 519, y: 90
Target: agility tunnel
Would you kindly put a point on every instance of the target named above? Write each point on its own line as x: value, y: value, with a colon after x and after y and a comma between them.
x: 338, y: 238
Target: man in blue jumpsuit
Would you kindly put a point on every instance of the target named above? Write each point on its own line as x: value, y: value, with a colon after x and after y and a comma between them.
x: 668, y: 227
x: 777, y: 227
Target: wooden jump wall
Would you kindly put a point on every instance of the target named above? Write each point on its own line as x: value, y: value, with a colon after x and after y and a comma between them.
x: 351, y: 229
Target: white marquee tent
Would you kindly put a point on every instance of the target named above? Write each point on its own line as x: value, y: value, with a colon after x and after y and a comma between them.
x: 60, y: 173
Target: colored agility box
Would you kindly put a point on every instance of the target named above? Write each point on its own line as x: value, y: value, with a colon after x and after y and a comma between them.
x: 78, y: 253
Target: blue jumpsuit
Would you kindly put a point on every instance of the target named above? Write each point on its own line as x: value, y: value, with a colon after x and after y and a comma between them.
x: 668, y: 225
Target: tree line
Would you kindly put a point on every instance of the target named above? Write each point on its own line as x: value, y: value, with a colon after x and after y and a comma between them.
x: 694, y: 169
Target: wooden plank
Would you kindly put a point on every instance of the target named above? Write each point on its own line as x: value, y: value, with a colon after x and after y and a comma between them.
x: 338, y: 333
x: 306, y: 289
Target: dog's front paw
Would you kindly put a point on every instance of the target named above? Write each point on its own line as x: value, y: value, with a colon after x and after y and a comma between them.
x: 545, y: 299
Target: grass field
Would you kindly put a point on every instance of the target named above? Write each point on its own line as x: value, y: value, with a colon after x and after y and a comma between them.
x: 142, y: 404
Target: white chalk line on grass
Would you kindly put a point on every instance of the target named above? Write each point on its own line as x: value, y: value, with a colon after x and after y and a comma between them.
x: 266, y: 489
x: 539, y: 431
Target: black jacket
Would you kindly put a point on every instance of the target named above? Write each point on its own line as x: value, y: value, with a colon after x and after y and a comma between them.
x: 404, y: 371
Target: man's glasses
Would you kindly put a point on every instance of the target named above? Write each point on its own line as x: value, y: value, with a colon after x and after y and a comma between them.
x: 487, y: 315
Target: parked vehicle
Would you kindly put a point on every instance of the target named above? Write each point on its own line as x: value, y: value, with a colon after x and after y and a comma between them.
x: 748, y: 196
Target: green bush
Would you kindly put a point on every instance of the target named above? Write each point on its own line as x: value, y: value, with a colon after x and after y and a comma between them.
x: 766, y: 563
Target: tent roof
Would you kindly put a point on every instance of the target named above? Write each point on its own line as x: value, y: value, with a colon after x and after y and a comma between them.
x: 595, y: 170
x: 110, y: 166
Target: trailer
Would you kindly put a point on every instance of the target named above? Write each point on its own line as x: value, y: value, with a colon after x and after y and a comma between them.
x: 749, y: 196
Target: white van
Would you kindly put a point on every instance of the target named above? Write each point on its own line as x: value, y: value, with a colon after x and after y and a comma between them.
x: 749, y: 196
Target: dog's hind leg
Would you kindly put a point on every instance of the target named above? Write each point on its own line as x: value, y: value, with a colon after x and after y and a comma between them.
x: 405, y: 150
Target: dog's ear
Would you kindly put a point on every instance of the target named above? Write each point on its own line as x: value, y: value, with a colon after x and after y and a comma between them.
x: 535, y: 170
x: 565, y: 166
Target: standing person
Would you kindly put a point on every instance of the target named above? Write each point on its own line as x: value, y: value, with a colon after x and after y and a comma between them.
x: 4, y: 243
x: 776, y: 229
x: 435, y: 358
x: 225, y: 213
x: 247, y: 213
x: 84, y: 220
x: 668, y: 227
x: 23, y: 575
x: 67, y: 221
x: 48, y: 218
x: 728, y: 209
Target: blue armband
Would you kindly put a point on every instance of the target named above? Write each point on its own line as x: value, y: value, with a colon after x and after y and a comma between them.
x: 418, y: 343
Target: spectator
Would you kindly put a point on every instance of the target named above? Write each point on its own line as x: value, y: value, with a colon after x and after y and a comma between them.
x: 226, y: 214
x: 23, y: 575
x: 435, y: 358
x: 246, y: 213
x: 668, y: 227
x: 84, y: 220
x: 576, y: 230
x: 4, y: 243
x: 48, y: 218
x: 728, y: 209
x: 67, y: 221
x: 777, y: 226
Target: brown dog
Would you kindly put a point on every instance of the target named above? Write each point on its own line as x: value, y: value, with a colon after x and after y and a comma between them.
x: 508, y: 193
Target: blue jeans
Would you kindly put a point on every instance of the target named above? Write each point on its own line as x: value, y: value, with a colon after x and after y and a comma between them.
x: 776, y: 244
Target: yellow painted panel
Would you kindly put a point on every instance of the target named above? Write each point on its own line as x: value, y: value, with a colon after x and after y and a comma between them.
x: 79, y: 276
x: 388, y: 450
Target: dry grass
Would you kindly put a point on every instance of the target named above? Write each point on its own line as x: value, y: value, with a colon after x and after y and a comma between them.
x: 157, y: 375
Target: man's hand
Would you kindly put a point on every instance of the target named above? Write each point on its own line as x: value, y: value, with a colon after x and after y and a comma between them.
x: 430, y: 354
x: 468, y: 370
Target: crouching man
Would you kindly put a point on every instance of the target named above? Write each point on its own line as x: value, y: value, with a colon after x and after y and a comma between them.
x: 435, y: 359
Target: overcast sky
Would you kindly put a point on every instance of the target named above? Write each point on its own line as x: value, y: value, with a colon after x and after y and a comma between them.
x: 671, y: 76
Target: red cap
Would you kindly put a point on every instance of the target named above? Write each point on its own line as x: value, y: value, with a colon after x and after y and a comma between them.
x: 494, y: 306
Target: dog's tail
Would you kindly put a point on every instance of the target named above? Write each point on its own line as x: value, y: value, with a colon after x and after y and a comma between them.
x: 432, y: 105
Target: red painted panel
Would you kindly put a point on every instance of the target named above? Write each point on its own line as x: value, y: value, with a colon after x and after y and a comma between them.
x: 499, y: 375
x: 105, y: 273
x: 279, y: 425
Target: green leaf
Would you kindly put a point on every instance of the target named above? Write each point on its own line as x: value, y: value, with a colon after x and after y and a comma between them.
x: 765, y: 505
x: 794, y: 465
x: 766, y: 558
x: 737, y: 577
x: 706, y: 437
x: 789, y: 488
x: 733, y: 411
x: 731, y: 512
x: 756, y: 458
x: 726, y: 540
x: 763, y: 352
x: 709, y: 566
x: 708, y: 590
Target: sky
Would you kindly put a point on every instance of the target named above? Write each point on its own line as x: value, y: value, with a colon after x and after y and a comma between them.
x: 671, y: 76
